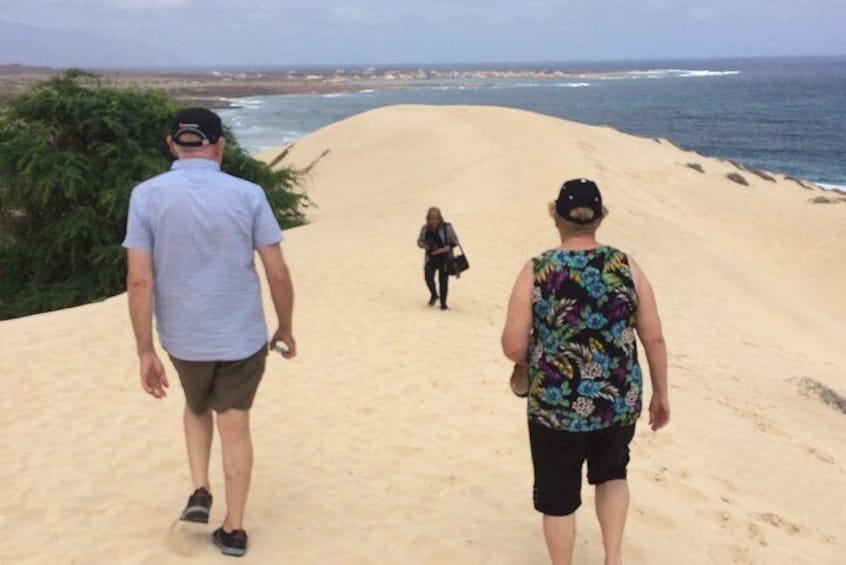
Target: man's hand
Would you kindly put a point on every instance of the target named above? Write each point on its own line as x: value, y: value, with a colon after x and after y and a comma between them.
x: 153, y: 378
x: 282, y: 293
x: 659, y: 412
x: 287, y: 338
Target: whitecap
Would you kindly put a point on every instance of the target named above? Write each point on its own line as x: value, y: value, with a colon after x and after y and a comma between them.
x: 686, y: 74
x: 248, y: 102
x: 833, y: 187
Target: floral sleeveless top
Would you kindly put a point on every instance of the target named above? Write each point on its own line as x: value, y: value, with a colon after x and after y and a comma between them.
x: 583, y: 369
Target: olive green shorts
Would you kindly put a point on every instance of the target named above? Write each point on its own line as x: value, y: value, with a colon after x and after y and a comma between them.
x: 221, y: 385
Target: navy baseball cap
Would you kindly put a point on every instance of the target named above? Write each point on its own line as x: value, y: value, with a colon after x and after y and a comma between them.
x: 200, y: 125
x: 579, y: 193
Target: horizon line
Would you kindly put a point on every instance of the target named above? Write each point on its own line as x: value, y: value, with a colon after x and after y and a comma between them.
x: 406, y: 65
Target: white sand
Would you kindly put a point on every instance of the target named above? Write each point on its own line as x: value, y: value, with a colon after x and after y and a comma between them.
x: 393, y: 437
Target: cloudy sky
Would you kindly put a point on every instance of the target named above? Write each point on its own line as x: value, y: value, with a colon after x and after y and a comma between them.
x: 311, y: 32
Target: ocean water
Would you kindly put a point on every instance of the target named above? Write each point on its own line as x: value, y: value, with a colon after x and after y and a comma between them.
x: 785, y: 115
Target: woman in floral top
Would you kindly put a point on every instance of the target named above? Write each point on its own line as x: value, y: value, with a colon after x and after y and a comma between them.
x: 572, y: 318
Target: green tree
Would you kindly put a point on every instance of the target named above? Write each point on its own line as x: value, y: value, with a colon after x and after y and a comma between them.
x: 71, y: 150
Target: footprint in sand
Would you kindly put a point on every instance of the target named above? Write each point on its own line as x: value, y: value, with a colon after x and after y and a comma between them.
x: 779, y: 522
x: 761, y: 423
x: 740, y: 555
x: 723, y: 519
x: 187, y: 540
x: 724, y: 486
x: 660, y: 475
x: 756, y: 534
x: 819, y: 455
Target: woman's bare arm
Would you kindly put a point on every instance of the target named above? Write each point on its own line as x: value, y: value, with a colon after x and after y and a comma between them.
x: 649, y: 331
x: 518, y: 324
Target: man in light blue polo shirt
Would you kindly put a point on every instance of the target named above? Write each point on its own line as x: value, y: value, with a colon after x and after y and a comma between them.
x: 190, y: 239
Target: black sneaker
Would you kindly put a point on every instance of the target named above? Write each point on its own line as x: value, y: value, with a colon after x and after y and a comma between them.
x: 233, y: 543
x: 433, y: 300
x: 198, y: 507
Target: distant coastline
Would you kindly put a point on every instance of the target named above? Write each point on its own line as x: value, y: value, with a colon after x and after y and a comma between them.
x: 771, y: 114
x: 725, y: 107
x: 221, y: 89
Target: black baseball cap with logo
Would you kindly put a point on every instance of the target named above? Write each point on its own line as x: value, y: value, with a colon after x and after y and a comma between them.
x: 579, y: 193
x: 200, y: 125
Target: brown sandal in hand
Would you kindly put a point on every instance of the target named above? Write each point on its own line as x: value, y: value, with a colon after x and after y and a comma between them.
x: 520, y: 380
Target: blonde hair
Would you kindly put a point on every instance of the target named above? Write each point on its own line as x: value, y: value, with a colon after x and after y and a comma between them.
x: 569, y: 228
x: 435, y: 210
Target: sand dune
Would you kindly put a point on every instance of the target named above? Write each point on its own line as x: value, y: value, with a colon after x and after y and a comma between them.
x: 393, y: 437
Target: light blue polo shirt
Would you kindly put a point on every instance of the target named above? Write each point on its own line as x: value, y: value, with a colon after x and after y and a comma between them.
x: 202, y: 226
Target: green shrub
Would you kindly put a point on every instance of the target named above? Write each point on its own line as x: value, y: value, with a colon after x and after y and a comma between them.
x: 799, y: 182
x: 825, y: 393
x: 763, y: 174
x: 737, y: 165
x: 738, y: 178
x: 71, y: 150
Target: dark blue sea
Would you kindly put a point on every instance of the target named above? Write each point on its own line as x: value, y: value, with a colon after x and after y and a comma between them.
x: 785, y: 115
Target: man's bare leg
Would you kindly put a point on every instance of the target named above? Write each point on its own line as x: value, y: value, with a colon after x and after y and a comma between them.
x: 612, y: 504
x: 237, y: 447
x: 560, y: 534
x: 199, y: 429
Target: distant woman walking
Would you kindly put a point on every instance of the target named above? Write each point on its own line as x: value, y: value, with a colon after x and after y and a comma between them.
x: 572, y: 318
x: 438, y: 238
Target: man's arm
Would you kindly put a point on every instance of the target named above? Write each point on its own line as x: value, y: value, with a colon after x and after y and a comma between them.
x: 518, y: 324
x: 282, y: 293
x: 140, y: 290
x: 649, y: 330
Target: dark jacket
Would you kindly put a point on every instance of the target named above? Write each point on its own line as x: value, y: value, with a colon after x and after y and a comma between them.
x: 448, y: 236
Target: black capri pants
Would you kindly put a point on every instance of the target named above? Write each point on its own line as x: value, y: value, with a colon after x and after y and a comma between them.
x: 558, y: 456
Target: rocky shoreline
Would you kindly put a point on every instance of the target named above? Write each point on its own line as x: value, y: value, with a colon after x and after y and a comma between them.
x: 218, y: 89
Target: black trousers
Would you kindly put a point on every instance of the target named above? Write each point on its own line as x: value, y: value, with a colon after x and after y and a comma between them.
x: 438, y: 264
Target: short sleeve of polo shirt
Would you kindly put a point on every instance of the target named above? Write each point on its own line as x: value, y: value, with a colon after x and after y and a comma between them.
x: 139, y: 235
x: 266, y: 230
